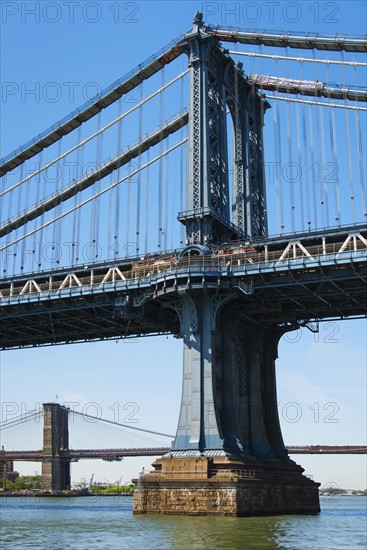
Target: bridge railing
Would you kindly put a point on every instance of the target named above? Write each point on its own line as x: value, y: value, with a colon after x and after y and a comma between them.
x: 231, y: 258
x: 232, y: 474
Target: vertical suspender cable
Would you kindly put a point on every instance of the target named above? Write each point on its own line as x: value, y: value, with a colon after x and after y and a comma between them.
x: 307, y: 188
x: 146, y: 245
x: 6, y: 259
x: 349, y: 152
x: 80, y: 159
x: 128, y: 186
x: 96, y: 203
x: 361, y: 166
x: 182, y: 186
x: 165, y: 215
x: 59, y: 226
x: 92, y: 191
x: 175, y: 191
x: 24, y: 244
x: 315, y: 178
x: 110, y: 246
x: 323, y: 166
x: 20, y: 195
x: 317, y: 166
x: 76, y: 217
x: 278, y: 166
x: 302, y: 166
x: 290, y: 173
x: 19, y: 205
x: 127, y: 211
x: 138, y: 191
x: 360, y: 158
x: 10, y: 204
x: 117, y: 236
x: 99, y: 201
x: 335, y: 166
x: 160, y: 171
x: 39, y: 244
x: 56, y: 240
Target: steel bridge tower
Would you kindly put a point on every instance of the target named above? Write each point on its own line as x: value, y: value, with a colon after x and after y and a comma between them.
x: 55, y: 469
x: 228, y: 456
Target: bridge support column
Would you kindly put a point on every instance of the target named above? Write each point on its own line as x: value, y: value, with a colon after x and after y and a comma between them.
x: 55, y: 470
x: 228, y: 456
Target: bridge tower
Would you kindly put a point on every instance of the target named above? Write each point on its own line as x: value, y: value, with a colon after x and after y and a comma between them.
x: 228, y: 456
x: 55, y: 470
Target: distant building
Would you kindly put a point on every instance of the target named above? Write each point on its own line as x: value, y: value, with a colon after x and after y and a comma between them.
x: 7, y: 470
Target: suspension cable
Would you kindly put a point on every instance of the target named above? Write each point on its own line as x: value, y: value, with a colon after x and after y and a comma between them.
x: 323, y: 167
x: 300, y: 59
x: 184, y: 73
x: 278, y: 169
x: 335, y: 165
x: 301, y: 152
x: 122, y: 425
x: 290, y: 165
x: 138, y: 185
x: 112, y: 186
x: 360, y: 158
x: 146, y: 204
x: 322, y: 104
x: 316, y: 173
x: 349, y: 153
x: 20, y: 419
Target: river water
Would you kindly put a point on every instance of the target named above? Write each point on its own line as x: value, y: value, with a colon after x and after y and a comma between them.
x: 107, y: 522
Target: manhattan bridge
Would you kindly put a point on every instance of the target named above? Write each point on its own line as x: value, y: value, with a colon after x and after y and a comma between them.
x: 224, y: 203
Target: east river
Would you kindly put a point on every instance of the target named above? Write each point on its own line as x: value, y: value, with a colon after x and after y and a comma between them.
x: 107, y: 522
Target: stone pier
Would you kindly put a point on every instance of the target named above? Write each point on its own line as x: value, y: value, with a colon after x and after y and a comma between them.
x: 223, y: 486
x: 228, y: 456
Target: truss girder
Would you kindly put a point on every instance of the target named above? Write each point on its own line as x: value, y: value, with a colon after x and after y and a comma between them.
x: 337, y: 291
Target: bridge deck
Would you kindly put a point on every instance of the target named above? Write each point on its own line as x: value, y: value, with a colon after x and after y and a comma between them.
x: 287, y: 280
x: 117, y: 454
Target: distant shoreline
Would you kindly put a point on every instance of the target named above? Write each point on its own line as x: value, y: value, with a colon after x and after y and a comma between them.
x: 93, y: 495
x: 62, y: 495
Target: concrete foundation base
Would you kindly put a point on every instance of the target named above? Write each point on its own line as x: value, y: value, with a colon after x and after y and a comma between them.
x: 223, y: 486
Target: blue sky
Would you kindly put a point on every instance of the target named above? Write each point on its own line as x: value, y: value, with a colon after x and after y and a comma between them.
x: 92, y: 44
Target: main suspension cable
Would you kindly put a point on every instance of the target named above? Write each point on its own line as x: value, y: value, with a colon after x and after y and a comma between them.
x: 109, y: 125
x: 300, y: 59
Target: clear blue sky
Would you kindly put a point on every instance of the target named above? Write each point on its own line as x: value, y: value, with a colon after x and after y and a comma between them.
x: 319, y: 382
